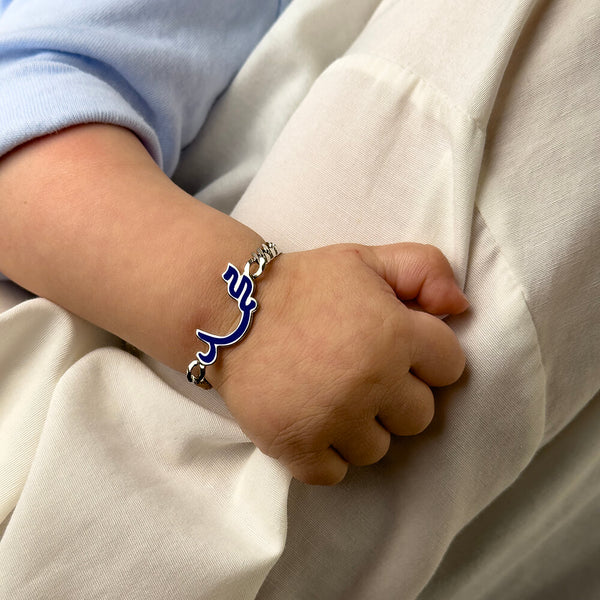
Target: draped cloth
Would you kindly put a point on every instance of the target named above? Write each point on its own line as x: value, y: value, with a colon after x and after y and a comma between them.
x: 474, y: 127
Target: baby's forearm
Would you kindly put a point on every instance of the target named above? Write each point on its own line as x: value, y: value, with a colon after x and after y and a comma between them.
x: 90, y: 222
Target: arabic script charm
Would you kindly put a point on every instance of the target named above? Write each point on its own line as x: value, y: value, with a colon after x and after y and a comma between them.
x: 240, y: 286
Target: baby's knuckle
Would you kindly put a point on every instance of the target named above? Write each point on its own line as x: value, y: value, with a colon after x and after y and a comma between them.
x: 424, y: 415
x: 417, y: 414
x: 460, y: 361
x: 297, y: 438
x: 454, y: 366
x: 314, y: 473
x: 374, y: 453
x: 433, y: 253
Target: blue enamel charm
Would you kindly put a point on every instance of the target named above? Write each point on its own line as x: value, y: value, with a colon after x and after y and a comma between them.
x: 240, y: 287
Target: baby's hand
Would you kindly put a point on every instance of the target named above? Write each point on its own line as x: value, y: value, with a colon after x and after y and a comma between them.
x: 335, y: 362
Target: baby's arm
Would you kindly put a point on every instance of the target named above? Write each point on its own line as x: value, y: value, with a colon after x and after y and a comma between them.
x: 333, y: 362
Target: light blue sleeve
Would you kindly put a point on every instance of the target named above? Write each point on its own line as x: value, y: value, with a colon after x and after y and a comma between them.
x: 154, y: 66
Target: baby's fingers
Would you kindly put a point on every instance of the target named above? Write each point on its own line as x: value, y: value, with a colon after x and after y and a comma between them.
x: 419, y: 272
x: 364, y: 444
x: 410, y: 409
x: 326, y: 467
x: 436, y: 355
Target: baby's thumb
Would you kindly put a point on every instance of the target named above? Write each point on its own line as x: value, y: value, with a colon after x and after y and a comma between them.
x: 421, y: 273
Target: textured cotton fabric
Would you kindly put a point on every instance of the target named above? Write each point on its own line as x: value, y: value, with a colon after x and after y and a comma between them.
x: 477, y: 130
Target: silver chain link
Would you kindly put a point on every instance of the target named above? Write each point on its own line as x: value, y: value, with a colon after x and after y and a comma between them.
x: 262, y: 257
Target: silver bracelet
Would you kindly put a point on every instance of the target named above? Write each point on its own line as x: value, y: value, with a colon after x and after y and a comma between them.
x: 240, y: 287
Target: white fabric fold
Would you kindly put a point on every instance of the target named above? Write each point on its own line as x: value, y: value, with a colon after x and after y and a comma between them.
x: 132, y: 487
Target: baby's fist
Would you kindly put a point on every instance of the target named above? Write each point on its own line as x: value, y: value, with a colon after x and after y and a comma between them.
x: 335, y: 362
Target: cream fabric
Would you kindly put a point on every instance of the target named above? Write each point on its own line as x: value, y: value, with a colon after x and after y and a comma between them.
x: 475, y: 127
